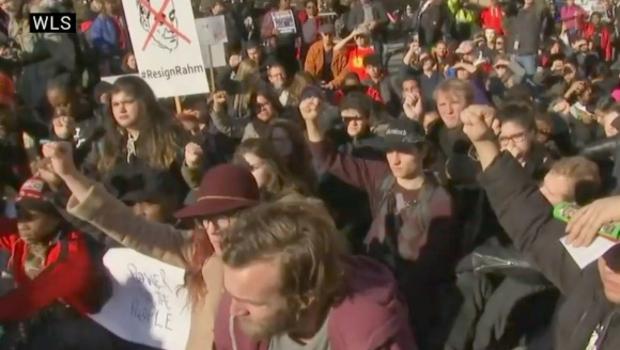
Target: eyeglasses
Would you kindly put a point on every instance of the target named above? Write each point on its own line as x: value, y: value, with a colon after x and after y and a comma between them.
x: 261, y: 106
x: 516, y: 138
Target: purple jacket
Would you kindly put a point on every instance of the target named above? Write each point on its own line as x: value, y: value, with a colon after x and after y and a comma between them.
x: 371, y: 316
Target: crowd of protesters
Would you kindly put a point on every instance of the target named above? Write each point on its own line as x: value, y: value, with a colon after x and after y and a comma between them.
x: 320, y: 198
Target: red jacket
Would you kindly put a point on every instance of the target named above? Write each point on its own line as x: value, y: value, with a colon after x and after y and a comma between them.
x: 69, y: 276
x: 493, y: 17
x: 371, y: 316
x: 606, y: 45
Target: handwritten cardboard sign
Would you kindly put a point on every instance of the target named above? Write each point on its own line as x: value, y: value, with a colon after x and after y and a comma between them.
x: 148, y: 305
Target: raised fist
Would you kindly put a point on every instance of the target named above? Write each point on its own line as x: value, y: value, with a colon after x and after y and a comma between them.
x: 60, y: 155
x: 193, y: 155
x: 309, y: 108
x: 480, y: 123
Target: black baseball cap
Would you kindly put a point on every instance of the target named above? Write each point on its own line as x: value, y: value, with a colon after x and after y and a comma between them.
x: 403, y: 134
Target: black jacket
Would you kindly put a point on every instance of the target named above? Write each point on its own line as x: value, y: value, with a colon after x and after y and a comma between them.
x: 432, y: 24
x: 527, y: 218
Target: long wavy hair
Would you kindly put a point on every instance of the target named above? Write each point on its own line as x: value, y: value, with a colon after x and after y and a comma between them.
x: 281, y: 182
x: 161, y: 137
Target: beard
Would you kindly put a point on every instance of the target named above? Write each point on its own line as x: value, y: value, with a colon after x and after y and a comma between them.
x: 281, y: 322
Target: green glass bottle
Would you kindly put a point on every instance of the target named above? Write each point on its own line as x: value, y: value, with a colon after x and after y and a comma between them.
x: 565, y: 211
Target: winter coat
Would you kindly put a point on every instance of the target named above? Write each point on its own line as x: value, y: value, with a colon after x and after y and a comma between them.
x: 162, y: 242
x: 527, y: 218
x: 315, y: 63
x: 69, y: 276
x: 371, y: 315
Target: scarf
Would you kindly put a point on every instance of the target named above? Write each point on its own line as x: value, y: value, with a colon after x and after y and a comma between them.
x: 35, y: 259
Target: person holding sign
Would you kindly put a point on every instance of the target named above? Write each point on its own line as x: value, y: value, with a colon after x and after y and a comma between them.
x: 224, y: 192
x: 281, y: 31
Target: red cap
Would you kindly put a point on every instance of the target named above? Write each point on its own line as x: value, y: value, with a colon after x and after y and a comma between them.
x: 33, y: 188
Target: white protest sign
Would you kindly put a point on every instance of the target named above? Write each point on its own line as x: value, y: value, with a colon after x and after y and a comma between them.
x: 218, y: 56
x: 211, y: 30
x: 211, y: 41
x: 284, y: 21
x: 148, y: 305
x: 584, y: 256
x: 165, y: 43
x: 112, y: 78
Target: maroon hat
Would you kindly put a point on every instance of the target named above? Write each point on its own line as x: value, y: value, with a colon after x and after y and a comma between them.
x: 223, y: 188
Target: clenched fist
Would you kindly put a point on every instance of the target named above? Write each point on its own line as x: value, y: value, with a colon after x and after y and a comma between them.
x: 309, y: 109
x: 60, y: 155
x: 480, y: 123
x: 193, y: 155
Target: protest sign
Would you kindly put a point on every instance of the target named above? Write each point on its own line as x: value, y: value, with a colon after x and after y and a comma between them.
x: 148, y: 305
x: 163, y: 35
x: 211, y: 30
x: 210, y: 41
x: 112, y: 78
x: 284, y: 21
x: 218, y: 56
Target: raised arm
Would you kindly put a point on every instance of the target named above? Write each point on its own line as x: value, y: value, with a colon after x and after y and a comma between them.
x: 363, y: 174
x: 220, y: 118
x: 523, y: 212
x: 344, y: 42
x: 90, y: 202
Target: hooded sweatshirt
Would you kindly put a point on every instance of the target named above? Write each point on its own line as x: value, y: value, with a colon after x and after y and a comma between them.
x: 372, y: 314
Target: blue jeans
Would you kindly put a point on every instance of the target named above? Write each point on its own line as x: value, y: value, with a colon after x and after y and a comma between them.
x: 528, y: 62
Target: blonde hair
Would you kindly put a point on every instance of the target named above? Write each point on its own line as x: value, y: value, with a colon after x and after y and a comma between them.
x: 456, y: 87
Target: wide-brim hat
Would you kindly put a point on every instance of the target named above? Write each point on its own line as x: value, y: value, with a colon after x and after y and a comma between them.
x: 225, y: 188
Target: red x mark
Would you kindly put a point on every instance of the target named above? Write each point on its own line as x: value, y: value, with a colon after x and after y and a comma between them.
x: 160, y: 19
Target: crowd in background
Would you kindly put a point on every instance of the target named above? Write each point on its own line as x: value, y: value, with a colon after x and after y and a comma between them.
x: 382, y: 178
